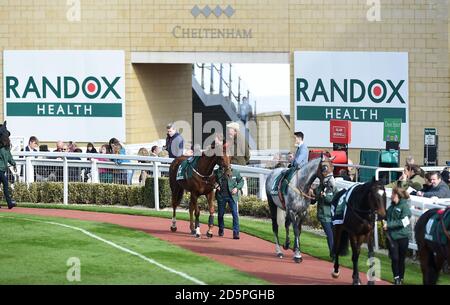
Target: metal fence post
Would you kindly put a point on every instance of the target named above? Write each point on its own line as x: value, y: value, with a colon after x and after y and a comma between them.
x: 29, y: 171
x: 94, y: 171
x: 262, y: 187
x: 156, y: 184
x: 66, y: 181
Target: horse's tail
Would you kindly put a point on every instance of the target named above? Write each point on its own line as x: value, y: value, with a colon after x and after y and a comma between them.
x: 344, y: 243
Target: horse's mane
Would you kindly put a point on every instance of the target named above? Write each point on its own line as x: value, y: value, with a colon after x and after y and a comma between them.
x: 362, y: 190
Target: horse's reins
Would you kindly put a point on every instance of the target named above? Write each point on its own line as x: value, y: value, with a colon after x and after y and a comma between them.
x: 300, y: 192
x: 206, y: 178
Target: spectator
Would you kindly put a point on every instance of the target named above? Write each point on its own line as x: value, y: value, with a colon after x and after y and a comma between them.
x: 238, y: 146
x: 412, y: 177
x: 344, y: 174
x: 90, y: 149
x: 120, y: 176
x: 290, y: 157
x: 33, y: 144
x: 398, y: 230
x: 155, y: 151
x: 445, y: 175
x: 144, y: 173
x: 174, y: 142
x: 438, y: 189
x: 245, y: 110
x: 59, y: 146
x: 72, y: 146
x: 105, y: 174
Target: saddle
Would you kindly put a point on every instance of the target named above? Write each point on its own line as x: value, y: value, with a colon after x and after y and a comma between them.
x: 281, y: 183
x: 339, y: 205
x: 435, y: 230
x: 185, y: 170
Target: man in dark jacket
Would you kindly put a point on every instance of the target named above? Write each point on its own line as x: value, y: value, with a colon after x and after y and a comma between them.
x: 227, y: 191
x: 174, y: 142
x: 439, y: 188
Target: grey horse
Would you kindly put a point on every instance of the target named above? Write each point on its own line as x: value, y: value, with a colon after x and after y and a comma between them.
x: 296, y: 200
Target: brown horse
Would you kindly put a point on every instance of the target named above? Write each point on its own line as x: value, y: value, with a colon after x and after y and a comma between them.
x: 363, y: 203
x: 201, y: 183
x: 432, y: 256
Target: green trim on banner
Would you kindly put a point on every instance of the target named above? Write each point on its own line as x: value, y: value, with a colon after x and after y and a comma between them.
x: 64, y: 110
x: 355, y: 114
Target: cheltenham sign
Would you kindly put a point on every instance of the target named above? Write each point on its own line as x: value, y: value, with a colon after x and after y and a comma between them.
x: 362, y: 87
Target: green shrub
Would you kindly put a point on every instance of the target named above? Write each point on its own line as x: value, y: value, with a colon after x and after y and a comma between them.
x: 164, y: 193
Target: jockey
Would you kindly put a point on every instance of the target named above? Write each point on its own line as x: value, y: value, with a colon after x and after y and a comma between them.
x: 301, y: 155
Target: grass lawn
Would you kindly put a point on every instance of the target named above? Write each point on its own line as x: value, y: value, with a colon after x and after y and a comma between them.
x: 311, y: 244
x: 37, y: 253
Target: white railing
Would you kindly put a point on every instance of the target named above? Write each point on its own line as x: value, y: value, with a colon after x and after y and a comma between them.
x: 61, y: 165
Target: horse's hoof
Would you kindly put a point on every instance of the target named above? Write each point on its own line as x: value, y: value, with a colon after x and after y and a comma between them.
x: 298, y: 260
x: 173, y: 229
x: 356, y: 282
x: 335, y: 275
x: 193, y: 232
x: 209, y: 235
x: 280, y: 255
x: 286, y: 246
x: 197, y: 235
x: 370, y: 283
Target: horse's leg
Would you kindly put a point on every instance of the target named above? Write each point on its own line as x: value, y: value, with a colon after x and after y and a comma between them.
x: 192, y: 203
x: 177, y: 194
x: 356, y: 242
x: 273, y: 213
x: 197, y: 218
x: 287, y: 224
x: 370, y: 244
x: 337, y: 231
x: 297, y: 229
x: 210, y: 197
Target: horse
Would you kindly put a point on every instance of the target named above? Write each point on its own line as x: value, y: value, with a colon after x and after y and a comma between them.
x: 296, y: 201
x: 363, y: 203
x: 201, y: 183
x: 432, y: 256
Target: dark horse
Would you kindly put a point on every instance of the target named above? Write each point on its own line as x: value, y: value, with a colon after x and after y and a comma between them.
x: 297, y: 200
x: 365, y: 201
x: 202, y: 182
x: 432, y: 256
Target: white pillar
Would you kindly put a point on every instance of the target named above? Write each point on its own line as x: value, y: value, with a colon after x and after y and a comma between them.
x: 262, y: 187
x: 94, y: 171
x: 156, y: 184
x: 29, y: 171
x: 66, y: 181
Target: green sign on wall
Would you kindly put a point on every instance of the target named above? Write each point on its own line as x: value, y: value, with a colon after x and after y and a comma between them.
x: 392, y: 130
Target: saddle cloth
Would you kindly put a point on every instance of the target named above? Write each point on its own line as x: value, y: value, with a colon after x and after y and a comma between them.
x: 281, y: 182
x: 185, y: 170
x: 434, y: 231
x: 339, y: 209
